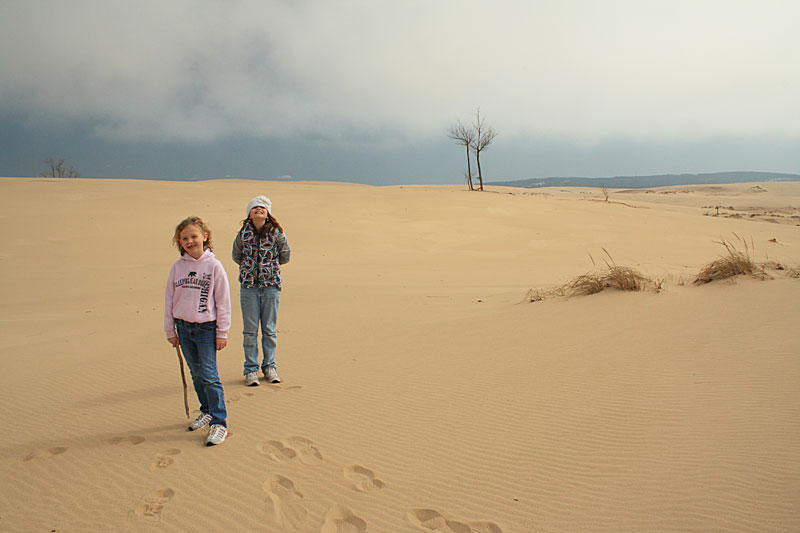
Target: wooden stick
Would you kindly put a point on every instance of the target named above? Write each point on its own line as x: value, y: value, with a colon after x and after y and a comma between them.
x: 183, y: 378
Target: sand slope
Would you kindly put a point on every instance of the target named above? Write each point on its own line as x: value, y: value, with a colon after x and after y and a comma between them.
x: 419, y: 394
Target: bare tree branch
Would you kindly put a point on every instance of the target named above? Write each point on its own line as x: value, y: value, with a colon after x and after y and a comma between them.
x: 466, y: 138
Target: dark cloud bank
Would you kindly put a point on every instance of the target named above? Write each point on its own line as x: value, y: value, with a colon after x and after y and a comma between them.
x: 23, y: 147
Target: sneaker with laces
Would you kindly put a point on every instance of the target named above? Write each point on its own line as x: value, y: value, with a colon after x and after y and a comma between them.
x: 251, y: 379
x: 200, y: 422
x: 216, y: 435
x: 271, y: 374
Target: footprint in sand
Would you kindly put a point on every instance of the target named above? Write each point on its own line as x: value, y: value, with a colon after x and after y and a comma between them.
x: 291, y: 448
x: 164, y: 459
x: 484, y: 527
x: 153, y: 505
x: 430, y: 520
x: 43, y: 454
x: 340, y: 519
x: 285, y: 503
x: 363, y: 479
x: 276, y: 451
x: 308, y: 453
x: 279, y: 388
x: 131, y: 440
x: 237, y: 398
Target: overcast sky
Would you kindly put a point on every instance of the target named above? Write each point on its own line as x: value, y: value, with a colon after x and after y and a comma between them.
x: 365, y: 90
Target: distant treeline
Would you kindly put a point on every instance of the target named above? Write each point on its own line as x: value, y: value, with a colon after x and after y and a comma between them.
x: 645, y: 182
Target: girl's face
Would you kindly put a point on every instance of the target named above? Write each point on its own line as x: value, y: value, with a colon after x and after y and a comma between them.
x: 192, y: 240
x: 258, y: 215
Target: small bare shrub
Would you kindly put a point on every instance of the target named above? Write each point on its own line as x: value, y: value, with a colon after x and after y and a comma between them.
x: 57, y: 169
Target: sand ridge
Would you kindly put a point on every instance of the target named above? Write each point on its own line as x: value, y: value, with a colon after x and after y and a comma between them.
x: 418, y: 393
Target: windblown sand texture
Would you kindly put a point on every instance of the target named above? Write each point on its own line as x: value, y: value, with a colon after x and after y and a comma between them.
x: 419, y: 394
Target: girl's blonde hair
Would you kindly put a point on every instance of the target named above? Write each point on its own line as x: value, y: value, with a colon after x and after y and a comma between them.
x: 196, y: 221
x: 270, y: 223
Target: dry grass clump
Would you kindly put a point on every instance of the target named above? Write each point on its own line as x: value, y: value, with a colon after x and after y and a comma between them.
x: 735, y: 263
x: 612, y: 277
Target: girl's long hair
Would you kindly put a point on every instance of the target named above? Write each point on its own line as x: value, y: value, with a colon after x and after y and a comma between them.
x: 197, y: 221
x: 270, y: 223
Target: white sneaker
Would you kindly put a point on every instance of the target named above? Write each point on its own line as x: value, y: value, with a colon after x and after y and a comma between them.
x: 272, y: 375
x: 200, y: 422
x: 251, y: 379
x: 216, y: 435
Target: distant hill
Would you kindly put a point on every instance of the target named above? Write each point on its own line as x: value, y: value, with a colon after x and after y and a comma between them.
x: 645, y: 182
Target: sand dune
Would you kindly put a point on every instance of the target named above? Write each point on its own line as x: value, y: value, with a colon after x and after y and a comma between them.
x: 419, y: 394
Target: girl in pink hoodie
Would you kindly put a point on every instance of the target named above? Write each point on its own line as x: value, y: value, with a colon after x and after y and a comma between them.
x: 197, y: 315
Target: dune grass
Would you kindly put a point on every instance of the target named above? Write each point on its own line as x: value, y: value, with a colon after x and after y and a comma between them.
x: 613, y: 276
x: 735, y: 263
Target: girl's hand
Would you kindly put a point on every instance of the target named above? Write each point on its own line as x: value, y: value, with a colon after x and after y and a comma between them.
x: 221, y: 343
x: 173, y: 341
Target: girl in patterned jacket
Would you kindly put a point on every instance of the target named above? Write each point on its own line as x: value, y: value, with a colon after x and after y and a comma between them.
x: 260, y: 248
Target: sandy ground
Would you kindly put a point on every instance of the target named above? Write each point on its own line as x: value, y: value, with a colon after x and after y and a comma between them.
x: 419, y: 393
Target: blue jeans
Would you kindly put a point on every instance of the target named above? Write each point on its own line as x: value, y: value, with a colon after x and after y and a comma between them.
x: 259, y: 306
x: 199, y: 345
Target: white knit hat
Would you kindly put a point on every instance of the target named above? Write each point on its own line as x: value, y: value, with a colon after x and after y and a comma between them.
x: 262, y: 201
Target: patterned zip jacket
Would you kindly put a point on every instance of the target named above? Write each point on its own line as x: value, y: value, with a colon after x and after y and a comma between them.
x: 260, y: 258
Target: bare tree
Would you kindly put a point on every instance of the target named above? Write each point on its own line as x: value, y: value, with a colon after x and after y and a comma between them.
x: 466, y: 138
x: 57, y: 169
x: 484, y: 135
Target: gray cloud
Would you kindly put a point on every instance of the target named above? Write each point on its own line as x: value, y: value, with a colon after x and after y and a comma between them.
x: 364, y: 89
x: 580, y: 70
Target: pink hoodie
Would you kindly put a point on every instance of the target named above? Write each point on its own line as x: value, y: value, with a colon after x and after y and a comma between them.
x: 198, y: 291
